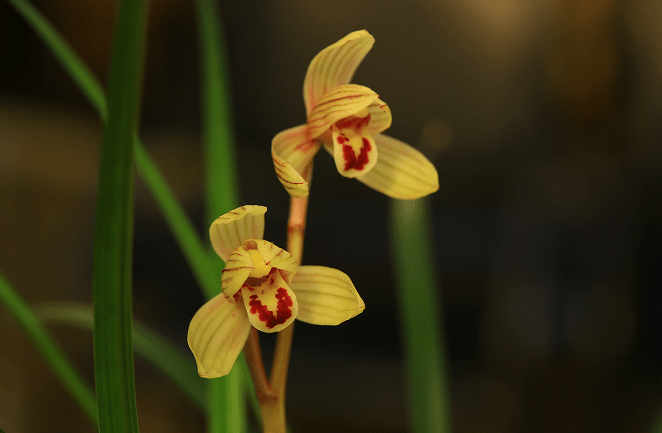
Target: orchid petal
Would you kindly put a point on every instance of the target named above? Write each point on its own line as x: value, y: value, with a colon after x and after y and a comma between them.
x: 229, y: 231
x: 238, y: 268
x: 326, y: 296
x: 216, y: 335
x: 277, y: 257
x: 380, y: 117
x: 354, y: 149
x: 334, y: 66
x: 292, y: 151
x: 401, y: 171
x: 272, y: 306
x: 336, y: 104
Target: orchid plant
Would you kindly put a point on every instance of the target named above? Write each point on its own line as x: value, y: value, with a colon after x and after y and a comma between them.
x: 264, y: 285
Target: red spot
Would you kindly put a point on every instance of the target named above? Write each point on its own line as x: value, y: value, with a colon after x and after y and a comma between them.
x: 342, y: 138
x: 353, y: 122
x: 351, y: 161
x: 283, y: 309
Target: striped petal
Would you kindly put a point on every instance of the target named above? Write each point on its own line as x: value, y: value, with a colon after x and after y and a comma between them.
x: 380, y: 117
x: 354, y: 150
x: 272, y: 306
x: 238, y: 268
x: 229, y: 231
x: 326, y: 296
x: 292, y: 152
x: 336, y: 104
x: 277, y: 257
x: 216, y: 335
x: 334, y: 66
x: 401, y: 171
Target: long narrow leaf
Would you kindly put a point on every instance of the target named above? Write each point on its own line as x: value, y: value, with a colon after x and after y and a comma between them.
x: 76, y: 68
x: 226, y: 406
x: 113, y: 235
x: 180, y: 225
x: 220, y: 160
x: 196, y: 255
x: 68, y: 375
x: 420, y: 315
x: 148, y: 343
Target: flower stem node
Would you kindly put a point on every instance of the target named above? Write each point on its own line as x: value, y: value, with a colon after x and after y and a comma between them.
x: 262, y: 287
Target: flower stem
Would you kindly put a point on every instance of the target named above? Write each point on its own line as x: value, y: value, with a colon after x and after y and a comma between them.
x: 273, y: 407
x: 256, y: 367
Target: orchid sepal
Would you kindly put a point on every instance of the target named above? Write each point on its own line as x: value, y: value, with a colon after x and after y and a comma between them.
x: 335, y: 65
x: 401, y: 171
x: 216, y: 335
x: 326, y: 296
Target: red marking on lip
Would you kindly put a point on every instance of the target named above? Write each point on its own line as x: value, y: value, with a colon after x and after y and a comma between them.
x: 237, y: 297
x: 351, y: 160
x: 342, y: 138
x: 353, y: 122
x: 283, y: 309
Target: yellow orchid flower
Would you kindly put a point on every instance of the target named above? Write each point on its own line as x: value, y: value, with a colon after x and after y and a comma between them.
x: 263, y: 287
x: 347, y: 119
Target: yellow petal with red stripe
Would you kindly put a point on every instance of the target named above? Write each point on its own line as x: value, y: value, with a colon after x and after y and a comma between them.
x: 401, y: 171
x: 326, y: 296
x: 336, y: 104
x: 334, y: 66
x: 216, y: 335
x: 380, y: 117
x: 229, y: 231
x: 277, y: 257
x: 292, y: 152
x: 237, y: 269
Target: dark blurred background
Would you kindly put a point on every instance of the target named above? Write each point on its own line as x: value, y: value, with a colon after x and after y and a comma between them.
x: 544, y: 120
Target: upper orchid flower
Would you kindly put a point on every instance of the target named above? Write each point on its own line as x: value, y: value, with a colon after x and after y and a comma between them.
x: 263, y: 287
x: 348, y: 120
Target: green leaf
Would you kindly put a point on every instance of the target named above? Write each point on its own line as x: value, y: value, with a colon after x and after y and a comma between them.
x: 417, y: 290
x: 226, y: 408
x: 222, y: 192
x: 113, y: 235
x: 63, y: 369
x: 197, y: 257
x: 73, y: 64
x: 220, y: 159
x: 147, y: 342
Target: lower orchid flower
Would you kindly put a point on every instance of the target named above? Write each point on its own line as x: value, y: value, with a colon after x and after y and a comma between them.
x: 348, y: 120
x: 263, y: 287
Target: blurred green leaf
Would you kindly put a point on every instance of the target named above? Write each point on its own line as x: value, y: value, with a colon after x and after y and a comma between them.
x: 147, y: 342
x: 55, y: 358
x: 419, y: 301
x: 221, y: 166
x: 67, y: 57
x: 113, y: 234
x: 227, y: 412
